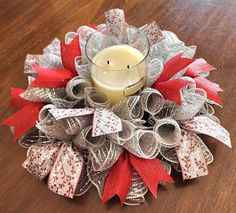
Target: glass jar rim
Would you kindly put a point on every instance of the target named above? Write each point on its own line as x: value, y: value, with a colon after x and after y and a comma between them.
x: 136, y: 65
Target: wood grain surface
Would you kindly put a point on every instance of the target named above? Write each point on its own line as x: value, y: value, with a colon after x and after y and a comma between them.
x: 27, y: 26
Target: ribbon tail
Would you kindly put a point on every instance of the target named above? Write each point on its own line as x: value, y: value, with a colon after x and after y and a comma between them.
x: 24, y: 119
x: 16, y: 100
x: 66, y: 171
x: 170, y: 89
x: 51, y: 77
x: 198, y: 66
x: 205, y: 125
x: 119, y: 179
x: 69, y: 52
x: 211, y: 89
x: 40, y: 160
x: 191, y: 156
x: 151, y: 171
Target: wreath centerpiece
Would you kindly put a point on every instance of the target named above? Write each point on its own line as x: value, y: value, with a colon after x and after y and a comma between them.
x: 77, y: 136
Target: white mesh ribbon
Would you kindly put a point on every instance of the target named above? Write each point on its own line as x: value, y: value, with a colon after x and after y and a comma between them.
x: 125, y: 134
x: 44, y: 111
x: 69, y: 37
x: 151, y: 100
x: 75, y: 87
x: 74, y: 125
x: 137, y: 191
x: 84, y: 33
x: 144, y: 144
x: 169, y: 154
x: 129, y: 109
x: 192, y: 102
x: 169, y: 132
x: 38, y: 94
x: 154, y: 69
x: 105, y: 156
x: 98, y: 178
x: 34, y: 137
x: 96, y: 99
x: 52, y: 128
x: 103, y: 152
x: 84, y: 183
x: 51, y: 57
x: 83, y: 69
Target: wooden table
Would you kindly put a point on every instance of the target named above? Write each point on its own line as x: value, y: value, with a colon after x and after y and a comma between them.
x: 27, y: 26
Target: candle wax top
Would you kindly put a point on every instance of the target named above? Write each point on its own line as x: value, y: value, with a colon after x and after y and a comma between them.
x: 116, y: 66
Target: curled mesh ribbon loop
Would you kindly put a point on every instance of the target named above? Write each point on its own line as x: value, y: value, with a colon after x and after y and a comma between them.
x: 192, y: 102
x: 62, y: 103
x: 129, y: 109
x: 96, y: 99
x: 75, y: 87
x: 82, y: 68
x: 29, y: 139
x: 105, y: 156
x: 168, y: 111
x: 85, y: 140
x: 169, y: 154
x: 85, y: 32
x: 75, y: 125
x: 44, y: 111
x: 151, y: 100
x: 69, y: 37
x: 126, y: 134
x: 52, y: 128
x: 144, y: 144
x: 169, y: 132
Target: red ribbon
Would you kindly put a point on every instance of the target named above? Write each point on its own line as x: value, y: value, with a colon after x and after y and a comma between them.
x: 68, y: 54
x: 118, y: 180
x: 26, y: 117
x: 120, y: 176
x: 198, y: 66
x: 51, y: 77
x: 211, y: 89
x: 170, y: 89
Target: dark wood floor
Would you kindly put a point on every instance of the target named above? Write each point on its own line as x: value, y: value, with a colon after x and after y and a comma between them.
x: 26, y: 26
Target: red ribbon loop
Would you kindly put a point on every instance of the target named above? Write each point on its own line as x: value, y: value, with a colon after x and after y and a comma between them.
x: 118, y: 180
x: 26, y: 117
x: 170, y: 89
x: 51, y: 77
x: 120, y: 176
x: 68, y: 54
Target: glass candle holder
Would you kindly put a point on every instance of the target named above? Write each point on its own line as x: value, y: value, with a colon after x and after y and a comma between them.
x: 118, y: 68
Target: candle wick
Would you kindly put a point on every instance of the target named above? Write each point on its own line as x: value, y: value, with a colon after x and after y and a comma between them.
x: 108, y: 62
x: 128, y: 66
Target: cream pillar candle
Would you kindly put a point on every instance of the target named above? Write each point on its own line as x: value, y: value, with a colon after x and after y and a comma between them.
x: 118, y: 71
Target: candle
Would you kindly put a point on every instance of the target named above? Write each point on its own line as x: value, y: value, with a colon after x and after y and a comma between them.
x: 118, y: 71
